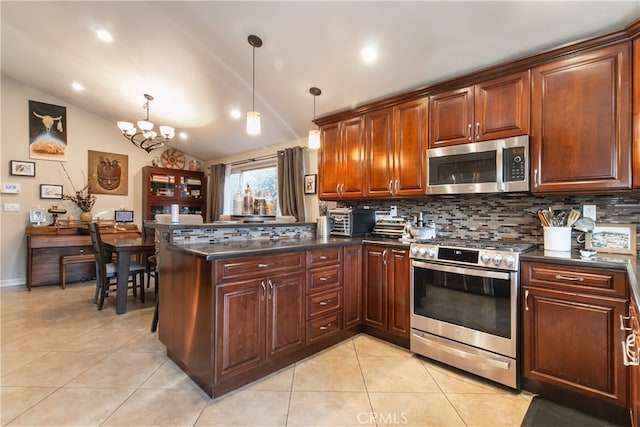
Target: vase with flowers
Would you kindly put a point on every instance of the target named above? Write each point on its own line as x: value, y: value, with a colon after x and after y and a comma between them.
x: 83, y: 198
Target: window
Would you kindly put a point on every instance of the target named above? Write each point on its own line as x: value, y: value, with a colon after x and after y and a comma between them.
x: 261, y: 176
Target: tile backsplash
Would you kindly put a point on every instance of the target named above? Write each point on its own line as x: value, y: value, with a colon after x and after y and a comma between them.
x: 492, y: 216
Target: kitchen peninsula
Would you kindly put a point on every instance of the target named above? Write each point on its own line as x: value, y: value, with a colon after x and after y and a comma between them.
x: 244, y: 300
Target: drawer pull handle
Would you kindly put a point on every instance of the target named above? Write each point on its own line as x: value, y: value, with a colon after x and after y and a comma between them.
x: 323, y: 257
x: 572, y: 279
x: 323, y: 279
x: 261, y: 265
x: 624, y: 320
x: 526, y: 300
x: 323, y: 328
x: 324, y: 302
x: 264, y: 290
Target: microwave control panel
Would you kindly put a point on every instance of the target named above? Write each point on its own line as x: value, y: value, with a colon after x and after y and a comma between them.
x: 514, y: 164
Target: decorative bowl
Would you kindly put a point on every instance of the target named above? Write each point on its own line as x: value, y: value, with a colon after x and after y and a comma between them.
x: 423, y: 233
x: 587, y: 253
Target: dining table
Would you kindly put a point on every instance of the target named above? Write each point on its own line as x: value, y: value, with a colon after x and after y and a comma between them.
x: 125, y: 248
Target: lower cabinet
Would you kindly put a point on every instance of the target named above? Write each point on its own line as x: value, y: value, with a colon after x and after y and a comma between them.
x: 352, y: 285
x: 634, y: 374
x: 571, y: 337
x: 256, y: 320
x: 385, y: 293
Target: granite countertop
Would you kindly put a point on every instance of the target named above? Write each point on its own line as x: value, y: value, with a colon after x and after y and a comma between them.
x: 628, y: 263
x: 212, y: 251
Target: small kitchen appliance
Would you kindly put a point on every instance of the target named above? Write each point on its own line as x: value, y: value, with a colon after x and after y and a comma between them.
x: 351, y: 222
x: 464, y: 299
x: 495, y: 166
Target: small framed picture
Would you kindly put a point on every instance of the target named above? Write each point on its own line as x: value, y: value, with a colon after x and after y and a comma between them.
x: 50, y: 191
x: 612, y: 238
x: 310, y: 184
x: 21, y: 168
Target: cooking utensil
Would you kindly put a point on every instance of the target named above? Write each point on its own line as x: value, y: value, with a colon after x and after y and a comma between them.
x: 544, y: 218
x: 573, y: 216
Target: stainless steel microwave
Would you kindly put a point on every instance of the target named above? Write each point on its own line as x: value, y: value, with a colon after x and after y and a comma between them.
x: 496, y: 166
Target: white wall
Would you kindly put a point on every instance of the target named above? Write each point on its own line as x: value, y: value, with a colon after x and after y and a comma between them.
x: 85, y: 131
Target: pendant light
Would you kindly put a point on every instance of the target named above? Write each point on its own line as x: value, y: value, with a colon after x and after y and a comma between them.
x: 314, y: 134
x: 253, y: 117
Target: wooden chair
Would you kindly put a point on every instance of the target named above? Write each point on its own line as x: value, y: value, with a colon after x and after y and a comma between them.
x: 156, y: 276
x: 106, y: 270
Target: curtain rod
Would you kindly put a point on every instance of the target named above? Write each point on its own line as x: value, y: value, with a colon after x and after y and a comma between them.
x: 256, y: 159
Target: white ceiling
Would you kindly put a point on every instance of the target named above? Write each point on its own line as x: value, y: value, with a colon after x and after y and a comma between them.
x: 194, y: 58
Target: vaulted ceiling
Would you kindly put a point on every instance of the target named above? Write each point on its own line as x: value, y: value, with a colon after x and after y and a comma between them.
x: 194, y: 58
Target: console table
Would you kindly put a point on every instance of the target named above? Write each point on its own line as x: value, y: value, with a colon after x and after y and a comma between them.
x: 45, y: 246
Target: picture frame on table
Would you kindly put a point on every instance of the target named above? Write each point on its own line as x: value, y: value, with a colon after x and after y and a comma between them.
x: 50, y: 191
x: 612, y: 238
x: 310, y: 184
x: 20, y: 168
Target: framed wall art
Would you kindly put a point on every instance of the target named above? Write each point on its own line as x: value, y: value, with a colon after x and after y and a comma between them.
x: 50, y: 191
x: 108, y: 173
x: 612, y: 238
x: 310, y: 184
x: 20, y: 168
x: 47, y: 131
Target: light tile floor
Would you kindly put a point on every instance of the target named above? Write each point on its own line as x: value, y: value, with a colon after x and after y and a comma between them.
x: 63, y: 363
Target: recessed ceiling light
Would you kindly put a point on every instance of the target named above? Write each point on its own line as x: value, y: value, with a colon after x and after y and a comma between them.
x: 104, y: 35
x: 369, y: 54
x: 236, y: 114
x: 183, y: 135
x: 77, y: 86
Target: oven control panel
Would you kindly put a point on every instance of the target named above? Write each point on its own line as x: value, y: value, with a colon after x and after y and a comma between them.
x: 490, y: 258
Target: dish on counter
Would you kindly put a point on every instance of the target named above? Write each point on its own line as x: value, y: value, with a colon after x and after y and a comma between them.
x: 587, y: 253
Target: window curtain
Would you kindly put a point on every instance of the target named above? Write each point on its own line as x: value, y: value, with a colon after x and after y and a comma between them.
x: 290, y: 182
x: 216, y: 192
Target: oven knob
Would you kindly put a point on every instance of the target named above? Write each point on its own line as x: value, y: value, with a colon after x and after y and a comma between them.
x: 423, y: 251
x: 414, y: 251
x: 432, y: 253
x: 485, y: 258
x: 497, y: 259
x: 509, y: 261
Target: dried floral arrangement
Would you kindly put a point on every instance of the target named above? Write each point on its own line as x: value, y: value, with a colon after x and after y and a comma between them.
x: 83, y: 198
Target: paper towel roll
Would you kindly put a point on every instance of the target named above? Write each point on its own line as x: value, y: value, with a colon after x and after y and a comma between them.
x: 175, y: 213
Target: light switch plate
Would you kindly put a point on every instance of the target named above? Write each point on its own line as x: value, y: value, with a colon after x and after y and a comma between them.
x: 12, y: 207
x: 10, y: 188
x: 589, y: 211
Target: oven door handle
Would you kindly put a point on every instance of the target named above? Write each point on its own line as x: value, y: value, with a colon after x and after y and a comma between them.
x: 461, y: 270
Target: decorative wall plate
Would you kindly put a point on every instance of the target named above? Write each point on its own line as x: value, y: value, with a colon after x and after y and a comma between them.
x: 172, y: 158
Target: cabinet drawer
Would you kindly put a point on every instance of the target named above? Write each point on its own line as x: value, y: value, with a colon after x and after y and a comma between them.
x: 575, y: 279
x: 324, y: 327
x: 324, y: 278
x: 324, y: 302
x: 233, y: 268
x: 323, y: 257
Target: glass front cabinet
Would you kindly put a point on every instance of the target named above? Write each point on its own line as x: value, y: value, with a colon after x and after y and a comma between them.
x: 163, y: 187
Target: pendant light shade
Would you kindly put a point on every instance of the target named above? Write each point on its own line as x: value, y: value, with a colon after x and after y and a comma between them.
x: 253, y: 117
x: 314, y: 134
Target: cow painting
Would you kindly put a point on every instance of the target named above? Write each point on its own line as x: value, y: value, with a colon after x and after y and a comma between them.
x: 47, y: 131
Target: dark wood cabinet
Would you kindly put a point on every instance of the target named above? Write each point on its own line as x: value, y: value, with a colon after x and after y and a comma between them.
x: 581, y: 136
x: 324, y: 293
x: 163, y: 187
x: 571, y: 336
x: 492, y: 109
x: 352, y: 284
x: 385, y: 293
x: 258, y: 318
x: 634, y: 374
x: 341, y: 160
x: 395, y: 147
x: 636, y: 113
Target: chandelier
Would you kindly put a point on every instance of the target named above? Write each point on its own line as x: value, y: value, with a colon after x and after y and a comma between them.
x: 145, y: 137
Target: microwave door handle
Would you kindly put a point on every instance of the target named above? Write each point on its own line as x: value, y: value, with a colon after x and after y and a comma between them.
x: 500, y: 172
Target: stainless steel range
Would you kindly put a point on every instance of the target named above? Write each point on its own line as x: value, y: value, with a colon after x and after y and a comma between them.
x: 464, y: 298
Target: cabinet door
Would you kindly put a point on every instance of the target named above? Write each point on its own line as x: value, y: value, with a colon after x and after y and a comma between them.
x: 398, y: 291
x: 634, y: 381
x: 581, y: 123
x: 240, y: 327
x: 451, y: 117
x: 286, y: 321
x: 374, y: 287
x: 572, y: 341
x: 636, y: 115
x: 502, y: 107
x: 410, y: 151
x: 352, y: 135
x: 379, y: 143
x: 352, y: 282
x: 329, y: 160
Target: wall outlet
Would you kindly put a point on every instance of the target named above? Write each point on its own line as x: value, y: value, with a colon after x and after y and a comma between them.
x: 589, y: 211
x: 12, y: 207
x: 393, y: 211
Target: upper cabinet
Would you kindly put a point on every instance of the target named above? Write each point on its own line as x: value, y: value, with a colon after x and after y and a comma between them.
x: 395, y: 147
x: 581, y: 136
x: 636, y: 113
x: 163, y: 187
x: 341, y: 165
x: 493, y: 109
